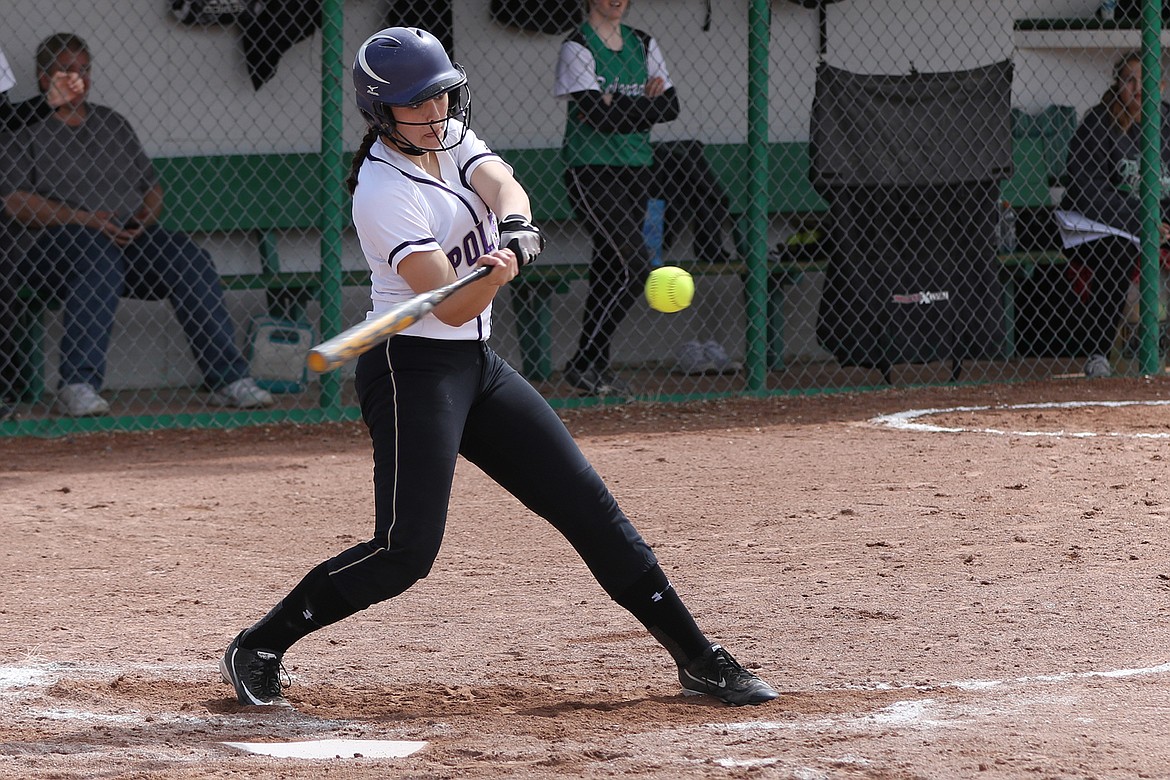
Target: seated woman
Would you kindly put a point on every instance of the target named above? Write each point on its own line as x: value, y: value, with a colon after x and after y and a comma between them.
x: 1103, y: 169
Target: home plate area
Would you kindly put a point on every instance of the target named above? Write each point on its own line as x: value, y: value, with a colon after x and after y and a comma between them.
x: 70, y: 721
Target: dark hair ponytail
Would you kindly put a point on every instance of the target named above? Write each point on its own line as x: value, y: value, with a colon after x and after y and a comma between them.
x: 351, y: 181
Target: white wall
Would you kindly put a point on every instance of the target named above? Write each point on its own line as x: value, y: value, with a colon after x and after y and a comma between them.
x: 187, y: 92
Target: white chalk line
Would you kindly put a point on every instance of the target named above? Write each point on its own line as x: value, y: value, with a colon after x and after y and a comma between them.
x: 910, y: 714
x: 332, y: 748
x: 907, y: 420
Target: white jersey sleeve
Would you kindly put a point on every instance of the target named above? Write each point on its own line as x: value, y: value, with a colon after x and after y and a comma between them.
x: 399, y: 209
x: 576, y: 70
x: 7, y: 77
x: 656, y: 63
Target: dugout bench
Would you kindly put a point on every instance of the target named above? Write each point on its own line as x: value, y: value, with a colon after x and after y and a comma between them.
x: 263, y: 196
x: 267, y: 195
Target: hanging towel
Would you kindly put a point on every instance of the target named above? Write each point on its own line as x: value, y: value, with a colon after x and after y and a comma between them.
x: 921, y: 129
x: 272, y: 28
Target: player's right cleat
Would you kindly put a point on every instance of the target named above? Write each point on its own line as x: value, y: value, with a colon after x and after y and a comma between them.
x: 717, y: 674
x: 255, y: 674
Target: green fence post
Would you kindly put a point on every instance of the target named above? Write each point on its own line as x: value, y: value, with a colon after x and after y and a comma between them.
x: 1151, y: 184
x: 759, y: 32
x: 332, y: 176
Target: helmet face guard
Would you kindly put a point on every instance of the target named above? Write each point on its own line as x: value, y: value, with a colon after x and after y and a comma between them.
x: 458, y: 107
x: 402, y: 66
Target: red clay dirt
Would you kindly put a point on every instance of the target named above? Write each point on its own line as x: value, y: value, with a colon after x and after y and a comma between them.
x: 985, y: 600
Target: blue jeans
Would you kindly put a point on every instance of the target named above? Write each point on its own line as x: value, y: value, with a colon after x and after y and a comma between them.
x: 88, y: 272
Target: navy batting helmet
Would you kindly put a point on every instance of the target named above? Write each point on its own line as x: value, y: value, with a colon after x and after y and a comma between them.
x: 405, y: 66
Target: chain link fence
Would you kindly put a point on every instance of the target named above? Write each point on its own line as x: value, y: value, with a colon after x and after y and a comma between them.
x: 864, y: 194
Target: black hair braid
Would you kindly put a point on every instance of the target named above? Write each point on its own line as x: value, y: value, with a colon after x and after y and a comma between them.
x: 351, y: 181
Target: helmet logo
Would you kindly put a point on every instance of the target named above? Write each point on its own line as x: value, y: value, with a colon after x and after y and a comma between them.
x: 372, y: 89
x: 361, y: 57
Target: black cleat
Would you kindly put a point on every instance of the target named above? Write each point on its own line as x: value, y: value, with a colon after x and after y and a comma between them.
x: 255, y: 674
x: 717, y: 674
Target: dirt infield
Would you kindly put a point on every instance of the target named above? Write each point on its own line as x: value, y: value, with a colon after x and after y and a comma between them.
x: 979, y: 592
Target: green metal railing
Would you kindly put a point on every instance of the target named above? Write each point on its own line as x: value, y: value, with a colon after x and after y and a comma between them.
x: 1151, y: 182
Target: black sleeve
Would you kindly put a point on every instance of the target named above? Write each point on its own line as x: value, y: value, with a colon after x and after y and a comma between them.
x: 14, y: 116
x: 626, y: 114
x: 1093, y: 157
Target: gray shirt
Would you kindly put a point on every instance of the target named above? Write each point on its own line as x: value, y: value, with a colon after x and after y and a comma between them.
x: 97, y: 166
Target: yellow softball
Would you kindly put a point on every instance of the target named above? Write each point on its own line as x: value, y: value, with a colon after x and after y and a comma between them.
x: 669, y: 289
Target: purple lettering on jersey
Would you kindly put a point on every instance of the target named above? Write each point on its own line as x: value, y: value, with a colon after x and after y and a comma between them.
x: 472, y: 247
x: 455, y: 258
x: 485, y: 238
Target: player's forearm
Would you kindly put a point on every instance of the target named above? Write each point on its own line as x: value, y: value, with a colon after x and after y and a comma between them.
x: 627, y: 114
x: 467, y: 304
x: 512, y: 199
x: 152, y: 206
x: 36, y: 211
x: 471, y: 301
x: 500, y: 190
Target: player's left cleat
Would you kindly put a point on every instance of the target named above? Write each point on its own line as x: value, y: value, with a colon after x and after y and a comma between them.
x: 717, y: 674
x: 255, y: 674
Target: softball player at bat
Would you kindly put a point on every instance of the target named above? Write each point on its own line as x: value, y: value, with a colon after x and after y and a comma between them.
x: 426, y: 192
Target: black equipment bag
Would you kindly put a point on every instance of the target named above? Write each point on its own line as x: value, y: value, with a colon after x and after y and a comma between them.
x: 544, y: 16
x: 907, y: 283
x: 694, y: 196
x: 911, y: 167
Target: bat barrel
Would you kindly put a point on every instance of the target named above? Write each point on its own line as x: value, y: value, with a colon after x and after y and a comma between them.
x: 319, y: 362
x: 350, y: 343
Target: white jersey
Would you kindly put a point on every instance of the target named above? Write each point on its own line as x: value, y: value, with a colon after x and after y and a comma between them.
x: 399, y: 209
x: 7, y: 78
x: 577, y: 67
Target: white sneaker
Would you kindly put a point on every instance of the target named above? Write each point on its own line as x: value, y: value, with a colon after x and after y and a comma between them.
x: 1097, y: 367
x: 692, y: 359
x: 242, y: 394
x: 721, y: 362
x: 81, y: 400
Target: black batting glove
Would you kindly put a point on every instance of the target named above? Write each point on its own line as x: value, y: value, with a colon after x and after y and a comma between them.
x: 522, y: 237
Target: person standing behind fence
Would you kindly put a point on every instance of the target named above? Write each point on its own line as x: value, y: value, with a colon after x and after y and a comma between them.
x: 83, y: 183
x: 617, y: 87
x: 1104, y: 170
x: 63, y: 87
x: 431, y: 202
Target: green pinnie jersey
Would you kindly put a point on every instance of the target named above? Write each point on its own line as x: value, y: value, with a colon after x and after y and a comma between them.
x: 587, y: 64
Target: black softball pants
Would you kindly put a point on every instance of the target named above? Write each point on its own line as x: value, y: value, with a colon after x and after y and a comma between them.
x: 612, y: 200
x: 1112, y: 260
x: 425, y: 401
